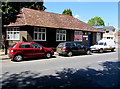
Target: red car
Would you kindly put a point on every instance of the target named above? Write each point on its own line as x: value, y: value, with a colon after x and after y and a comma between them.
x: 19, y: 51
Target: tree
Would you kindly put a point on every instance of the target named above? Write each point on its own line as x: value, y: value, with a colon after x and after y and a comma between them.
x: 67, y: 12
x: 11, y: 9
x: 96, y: 21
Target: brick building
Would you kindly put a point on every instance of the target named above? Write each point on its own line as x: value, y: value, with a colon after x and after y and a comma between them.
x: 48, y: 29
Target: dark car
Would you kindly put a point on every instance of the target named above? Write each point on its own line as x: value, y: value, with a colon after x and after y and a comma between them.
x: 70, y: 48
x: 19, y: 51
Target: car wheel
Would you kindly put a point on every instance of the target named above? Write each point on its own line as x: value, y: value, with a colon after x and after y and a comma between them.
x: 18, y: 58
x: 112, y: 50
x: 101, y: 50
x: 48, y: 55
x: 59, y: 54
x: 89, y: 52
x: 69, y: 54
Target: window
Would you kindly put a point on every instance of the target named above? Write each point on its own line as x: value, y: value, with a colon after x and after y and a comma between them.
x: 70, y: 44
x: 78, y: 44
x: 25, y: 45
x: 36, y: 45
x: 13, y: 34
x: 78, y: 36
x: 100, y: 43
x: 61, y: 35
x: 107, y: 31
x: 39, y: 34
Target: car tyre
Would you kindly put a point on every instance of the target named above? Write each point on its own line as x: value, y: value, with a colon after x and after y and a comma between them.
x: 69, y: 54
x: 112, y: 50
x: 89, y: 52
x: 59, y: 54
x: 48, y: 55
x: 101, y: 51
x: 18, y: 58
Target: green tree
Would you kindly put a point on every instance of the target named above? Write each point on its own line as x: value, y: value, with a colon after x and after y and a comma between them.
x: 11, y: 9
x: 67, y: 12
x: 96, y: 21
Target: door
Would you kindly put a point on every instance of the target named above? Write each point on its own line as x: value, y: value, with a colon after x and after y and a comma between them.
x: 74, y: 48
x: 89, y: 40
x: 26, y: 50
x: 38, y: 50
x: 80, y: 47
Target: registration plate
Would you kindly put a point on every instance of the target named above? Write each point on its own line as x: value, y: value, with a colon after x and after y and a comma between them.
x: 58, y: 48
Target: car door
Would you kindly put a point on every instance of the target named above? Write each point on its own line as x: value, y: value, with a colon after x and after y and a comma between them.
x: 81, y: 48
x: 74, y: 48
x: 26, y: 50
x: 38, y: 50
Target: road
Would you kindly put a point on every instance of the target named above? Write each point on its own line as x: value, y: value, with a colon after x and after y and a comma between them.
x: 57, y: 65
x: 51, y: 65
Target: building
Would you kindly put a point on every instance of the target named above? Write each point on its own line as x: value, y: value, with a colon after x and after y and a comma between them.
x: 109, y: 32
x: 49, y: 29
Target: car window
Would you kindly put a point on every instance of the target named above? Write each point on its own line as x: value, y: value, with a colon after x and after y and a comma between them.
x: 100, y: 43
x: 105, y: 44
x: 61, y: 45
x: 36, y: 45
x: 25, y: 45
x: 78, y: 44
x: 70, y: 44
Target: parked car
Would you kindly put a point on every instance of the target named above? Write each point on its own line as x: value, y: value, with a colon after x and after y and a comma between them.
x: 19, y: 51
x: 103, y: 45
x: 70, y: 48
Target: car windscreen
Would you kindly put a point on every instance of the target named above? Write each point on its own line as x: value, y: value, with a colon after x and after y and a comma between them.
x: 13, y: 45
x: 61, y: 45
x: 100, y: 43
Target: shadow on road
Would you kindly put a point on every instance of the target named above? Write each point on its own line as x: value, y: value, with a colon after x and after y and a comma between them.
x: 66, y: 79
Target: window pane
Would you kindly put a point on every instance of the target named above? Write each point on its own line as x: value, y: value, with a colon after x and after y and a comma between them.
x: 57, y: 37
x: 8, y: 37
x: 42, y: 30
x: 39, y: 36
x: 16, y: 35
x: 63, y: 37
x: 43, y: 36
x: 35, y: 36
x: 60, y: 37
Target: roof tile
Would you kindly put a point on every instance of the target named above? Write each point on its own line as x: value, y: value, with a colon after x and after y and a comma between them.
x: 48, y: 19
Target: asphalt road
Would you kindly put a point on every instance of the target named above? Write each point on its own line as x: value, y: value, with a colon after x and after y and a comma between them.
x: 98, y: 69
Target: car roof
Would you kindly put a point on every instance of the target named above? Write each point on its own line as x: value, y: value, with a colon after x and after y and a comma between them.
x: 70, y: 42
x: 25, y: 42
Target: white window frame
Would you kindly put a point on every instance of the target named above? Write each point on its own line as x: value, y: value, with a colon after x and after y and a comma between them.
x: 61, y: 34
x: 10, y: 33
x: 37, y: 31
x: 79, y: 33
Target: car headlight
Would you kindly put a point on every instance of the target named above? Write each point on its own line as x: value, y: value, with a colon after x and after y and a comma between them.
x: 11, y: 51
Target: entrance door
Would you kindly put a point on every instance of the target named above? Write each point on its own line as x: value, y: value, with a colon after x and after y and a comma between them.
x: 89, y: 40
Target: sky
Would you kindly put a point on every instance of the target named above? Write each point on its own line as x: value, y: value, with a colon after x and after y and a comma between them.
x: 84, y: 11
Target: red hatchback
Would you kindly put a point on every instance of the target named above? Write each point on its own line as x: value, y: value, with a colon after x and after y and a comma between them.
x: 19, y: 51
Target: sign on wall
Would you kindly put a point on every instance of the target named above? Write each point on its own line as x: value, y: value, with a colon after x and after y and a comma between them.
x: 78, y: 36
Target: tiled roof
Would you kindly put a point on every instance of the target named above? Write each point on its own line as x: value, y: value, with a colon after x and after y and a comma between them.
x: 48, y: 19
x: 109, y: 28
